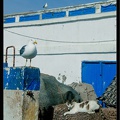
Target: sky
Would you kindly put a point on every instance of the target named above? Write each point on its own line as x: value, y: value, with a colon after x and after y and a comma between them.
x: 18, y: 6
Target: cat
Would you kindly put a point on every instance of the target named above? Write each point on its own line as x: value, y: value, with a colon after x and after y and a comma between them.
x: 69, y: 97
x: 85, y: 106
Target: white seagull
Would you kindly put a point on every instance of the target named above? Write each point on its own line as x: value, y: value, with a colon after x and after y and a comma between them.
x: 45, y: 6
x: 29, y: 51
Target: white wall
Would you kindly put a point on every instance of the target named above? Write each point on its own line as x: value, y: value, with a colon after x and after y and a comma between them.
x: 97, y: 33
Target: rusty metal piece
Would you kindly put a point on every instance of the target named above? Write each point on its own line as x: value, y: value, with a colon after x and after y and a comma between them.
x: 13, y: 54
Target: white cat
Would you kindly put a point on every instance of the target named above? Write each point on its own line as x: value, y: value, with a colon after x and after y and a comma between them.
x: 85, y: 106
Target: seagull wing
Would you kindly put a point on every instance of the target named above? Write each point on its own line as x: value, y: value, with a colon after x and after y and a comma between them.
x: 45, y: 6
x: 22, y: 50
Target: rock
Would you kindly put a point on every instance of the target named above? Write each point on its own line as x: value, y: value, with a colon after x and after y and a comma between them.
x: 52, y: 93
x: 85, y: 90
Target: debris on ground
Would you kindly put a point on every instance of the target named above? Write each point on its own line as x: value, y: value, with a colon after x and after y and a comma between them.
x: 103, y: 114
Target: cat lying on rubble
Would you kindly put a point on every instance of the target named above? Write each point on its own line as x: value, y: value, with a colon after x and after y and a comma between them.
x: 86, y: 106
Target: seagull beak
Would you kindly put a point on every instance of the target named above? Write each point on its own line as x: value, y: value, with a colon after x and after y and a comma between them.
x: 35, y: 42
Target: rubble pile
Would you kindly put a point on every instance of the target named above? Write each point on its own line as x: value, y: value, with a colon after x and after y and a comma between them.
x: 52, y: 94
x: 110, y: 113
x: 103, y: 114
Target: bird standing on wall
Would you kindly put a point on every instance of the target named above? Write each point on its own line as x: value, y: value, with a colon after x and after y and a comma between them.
x: 29, y: 51
x: 45, y: 6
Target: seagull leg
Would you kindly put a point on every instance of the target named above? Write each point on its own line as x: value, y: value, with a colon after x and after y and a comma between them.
x: 26, y: 62
x: 30, y: 62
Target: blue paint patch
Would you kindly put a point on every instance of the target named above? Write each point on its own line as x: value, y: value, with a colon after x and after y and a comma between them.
x: 9, y: 20
x: 22, y: 78
x: 53, y: 15
x: 108, y: 8
x: 5, y: 65
x: 29, y: 18
x: 82, y: 11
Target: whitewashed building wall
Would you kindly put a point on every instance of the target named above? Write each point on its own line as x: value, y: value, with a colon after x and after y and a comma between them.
x: 63, y: 43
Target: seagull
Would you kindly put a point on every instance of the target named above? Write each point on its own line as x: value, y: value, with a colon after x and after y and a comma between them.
x: 45, y: 6
x: 29, y: 51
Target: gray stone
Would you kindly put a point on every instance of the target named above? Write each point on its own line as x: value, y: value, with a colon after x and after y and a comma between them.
x: 85, y: 90
x: 52, y: 93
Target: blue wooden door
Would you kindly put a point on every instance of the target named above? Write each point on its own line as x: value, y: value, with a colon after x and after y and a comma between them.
x: 108, y: 73
x: 99, y: 74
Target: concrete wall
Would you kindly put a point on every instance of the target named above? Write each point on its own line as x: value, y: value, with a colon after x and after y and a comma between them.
x: 21, y: 98
x: 63, y: 43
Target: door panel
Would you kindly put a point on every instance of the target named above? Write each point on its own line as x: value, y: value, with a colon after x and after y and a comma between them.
x: 99, y: 74
x: 91, y: 75
x: 108, y: 73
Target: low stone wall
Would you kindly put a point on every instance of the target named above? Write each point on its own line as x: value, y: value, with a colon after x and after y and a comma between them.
x: 103, y: 114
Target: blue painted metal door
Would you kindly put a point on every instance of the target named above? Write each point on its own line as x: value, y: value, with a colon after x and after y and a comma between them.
x: 99, y: 74
x: 108, y: 73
